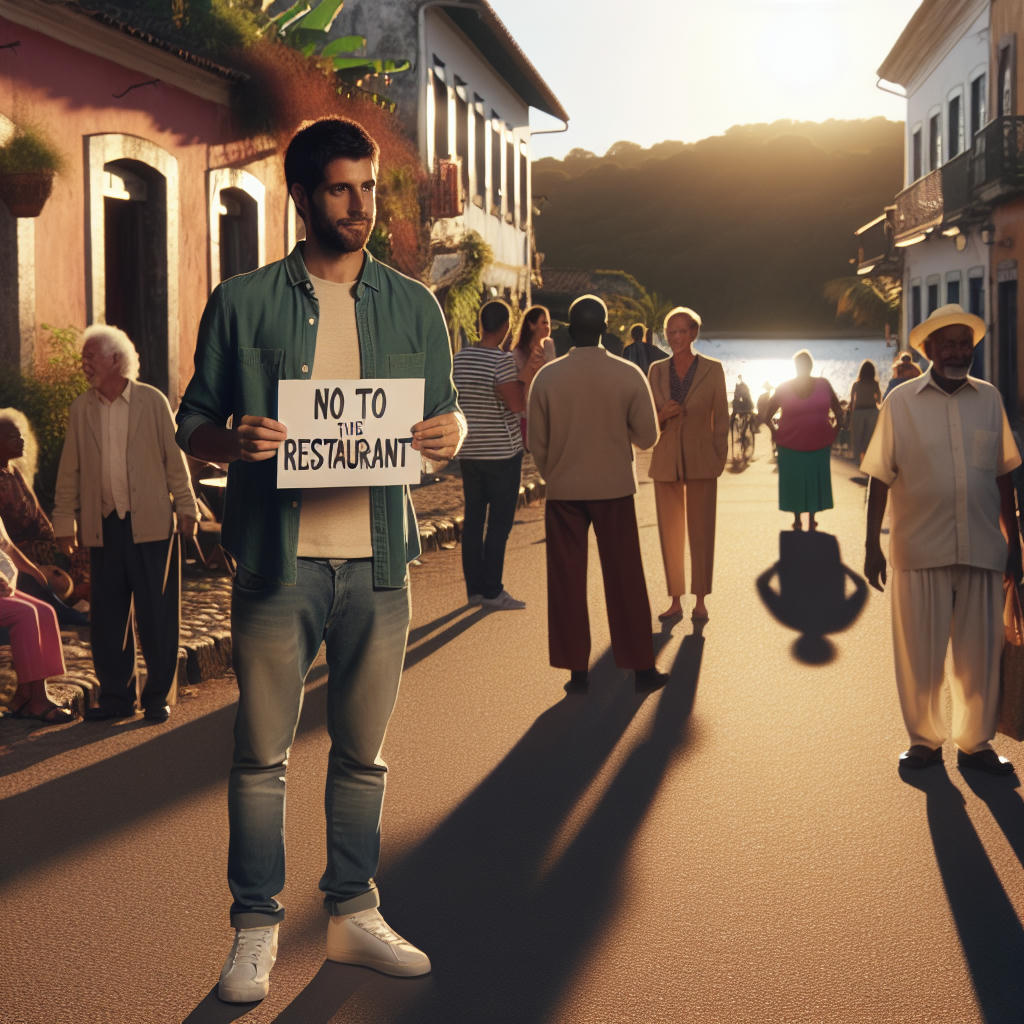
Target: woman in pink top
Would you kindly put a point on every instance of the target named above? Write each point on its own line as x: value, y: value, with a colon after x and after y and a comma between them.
x: 804, y: 437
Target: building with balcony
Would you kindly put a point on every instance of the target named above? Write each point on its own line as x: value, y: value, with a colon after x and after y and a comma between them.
x: 951, y: 231
x: 467, y: 103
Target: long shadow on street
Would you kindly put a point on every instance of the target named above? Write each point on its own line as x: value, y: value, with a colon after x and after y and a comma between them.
x: 990, y: 932
x: 506, y: 917
x: 811, y: 595
x: 53, y: 819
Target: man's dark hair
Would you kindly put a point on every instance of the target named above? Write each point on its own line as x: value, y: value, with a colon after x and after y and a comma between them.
x: 494, y: 315
x: 312, y: 148
x: 588, y: 320
x: 637, y: 332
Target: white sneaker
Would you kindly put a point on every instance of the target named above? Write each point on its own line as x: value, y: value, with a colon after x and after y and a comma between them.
x: 366, y: 939
x: 504, y: 602
x: 246, y: 974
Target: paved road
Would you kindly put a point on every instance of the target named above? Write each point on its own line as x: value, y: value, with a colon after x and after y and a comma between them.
x: 737, y: 848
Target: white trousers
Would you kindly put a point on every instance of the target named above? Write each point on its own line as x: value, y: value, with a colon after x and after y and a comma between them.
x: 958, y: 607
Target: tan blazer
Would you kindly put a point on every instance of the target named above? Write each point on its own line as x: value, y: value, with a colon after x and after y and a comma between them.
x: 694, y: 444
x: 156, y: 469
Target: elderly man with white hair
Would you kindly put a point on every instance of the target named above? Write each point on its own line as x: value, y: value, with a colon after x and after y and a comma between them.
x: 943, y: 450
x: 118, y: 470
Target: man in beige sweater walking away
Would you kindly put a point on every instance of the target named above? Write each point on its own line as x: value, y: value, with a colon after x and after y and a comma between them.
x: 586, y: 411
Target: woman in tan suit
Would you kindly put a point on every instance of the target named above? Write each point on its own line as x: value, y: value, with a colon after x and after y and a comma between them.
x: 693, y: 412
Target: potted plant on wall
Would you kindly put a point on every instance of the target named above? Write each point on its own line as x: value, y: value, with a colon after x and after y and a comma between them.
x: 28, y: 162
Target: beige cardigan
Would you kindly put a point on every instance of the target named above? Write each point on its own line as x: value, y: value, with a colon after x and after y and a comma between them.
x: 694, y: 445
x: 156, y: 468
x: 586, y: 412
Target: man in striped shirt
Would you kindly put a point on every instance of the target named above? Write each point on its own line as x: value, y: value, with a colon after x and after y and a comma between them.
x: 491, y: 396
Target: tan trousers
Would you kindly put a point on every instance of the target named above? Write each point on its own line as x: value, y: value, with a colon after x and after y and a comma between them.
x: 957, y: 607
x: 687, y: 508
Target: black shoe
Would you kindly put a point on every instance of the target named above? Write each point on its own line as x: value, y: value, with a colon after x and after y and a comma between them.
x: 102, y: 714
x: 578, y: 682
x: 919, y: 756
x: 650, y: 679
x: 986, y: 760
x: 157, y: 714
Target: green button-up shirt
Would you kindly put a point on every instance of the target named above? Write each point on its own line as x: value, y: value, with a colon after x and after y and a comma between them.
x: 260, y: 328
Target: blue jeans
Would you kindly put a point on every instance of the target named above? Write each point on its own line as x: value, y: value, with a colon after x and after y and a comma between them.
x: 491, y: 490
x: 276, y: 633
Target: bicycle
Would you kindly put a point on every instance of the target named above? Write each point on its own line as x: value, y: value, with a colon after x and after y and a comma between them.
x: 741, y: 432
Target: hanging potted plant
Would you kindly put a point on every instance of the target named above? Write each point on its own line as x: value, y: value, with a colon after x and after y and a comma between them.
x: 28, y: 163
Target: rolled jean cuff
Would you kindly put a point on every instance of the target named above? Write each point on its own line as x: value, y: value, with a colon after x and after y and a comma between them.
x: 256, y: 918
x: 364, y: 901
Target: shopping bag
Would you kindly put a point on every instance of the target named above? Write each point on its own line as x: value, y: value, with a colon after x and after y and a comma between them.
x: 1011, y: 700
x: 1013, y: 614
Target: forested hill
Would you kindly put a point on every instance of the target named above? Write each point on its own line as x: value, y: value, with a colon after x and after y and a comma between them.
x: 745, y: 227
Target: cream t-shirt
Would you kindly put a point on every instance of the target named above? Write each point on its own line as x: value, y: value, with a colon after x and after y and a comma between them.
x: 335, y: 521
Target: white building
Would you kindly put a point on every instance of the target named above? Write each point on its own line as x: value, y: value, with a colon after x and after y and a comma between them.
x: 467, y: 102
x: 941, y: 60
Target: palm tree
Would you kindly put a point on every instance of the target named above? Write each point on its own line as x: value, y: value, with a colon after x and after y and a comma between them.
x: 872, y: 302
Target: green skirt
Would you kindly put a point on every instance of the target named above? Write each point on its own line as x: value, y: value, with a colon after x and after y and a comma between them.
x: 805, y: 480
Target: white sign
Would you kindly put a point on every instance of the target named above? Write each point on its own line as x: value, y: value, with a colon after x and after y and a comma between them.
x: 348, y: 433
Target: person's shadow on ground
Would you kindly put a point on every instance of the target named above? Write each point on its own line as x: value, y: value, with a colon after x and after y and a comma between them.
x: 506, y: 903
x: 990, y: 932
x: 815, y: 593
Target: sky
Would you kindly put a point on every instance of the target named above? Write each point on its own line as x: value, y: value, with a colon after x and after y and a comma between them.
x: 650, y: 70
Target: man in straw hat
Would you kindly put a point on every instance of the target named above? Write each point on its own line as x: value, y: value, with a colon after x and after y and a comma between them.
x: 943, y: 448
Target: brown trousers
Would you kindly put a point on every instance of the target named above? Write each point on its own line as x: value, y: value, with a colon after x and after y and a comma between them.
x: 625, y: 590
x: 687, y: 508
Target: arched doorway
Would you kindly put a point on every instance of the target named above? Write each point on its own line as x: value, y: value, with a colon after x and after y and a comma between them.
x: 135, y: 262
x: 132, y: 249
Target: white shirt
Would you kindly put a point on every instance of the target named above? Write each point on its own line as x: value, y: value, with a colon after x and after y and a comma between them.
x: 940, y: 454
x: 115, y: 496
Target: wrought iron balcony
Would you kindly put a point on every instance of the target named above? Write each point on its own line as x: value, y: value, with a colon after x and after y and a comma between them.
x: 919, y: 206
x: 997, y: 159
x: 956, y: 187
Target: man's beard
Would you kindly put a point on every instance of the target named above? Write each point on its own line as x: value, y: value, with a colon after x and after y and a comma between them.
x: 349, y: 236
x: 956, y: 372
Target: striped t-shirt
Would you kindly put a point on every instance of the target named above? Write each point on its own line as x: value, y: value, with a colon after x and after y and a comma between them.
x: 494, y: 431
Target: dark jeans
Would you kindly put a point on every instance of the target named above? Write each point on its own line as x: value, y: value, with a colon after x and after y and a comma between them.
x: 491, y: 488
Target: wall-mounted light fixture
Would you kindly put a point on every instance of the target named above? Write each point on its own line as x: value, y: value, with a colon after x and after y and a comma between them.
x: 960, y: 242
x: 988, y: 234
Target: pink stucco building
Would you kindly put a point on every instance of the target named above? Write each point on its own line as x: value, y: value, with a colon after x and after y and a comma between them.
x: 158, y: 199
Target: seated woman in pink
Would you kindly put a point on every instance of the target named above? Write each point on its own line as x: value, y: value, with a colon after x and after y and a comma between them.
x: 804, y: 437
x: 35, y: 641
x: 29, y: 528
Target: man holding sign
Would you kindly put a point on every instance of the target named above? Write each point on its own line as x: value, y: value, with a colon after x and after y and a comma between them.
x: 319, y: 349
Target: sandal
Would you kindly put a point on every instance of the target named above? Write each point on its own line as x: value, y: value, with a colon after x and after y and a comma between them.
x: 54, y: 714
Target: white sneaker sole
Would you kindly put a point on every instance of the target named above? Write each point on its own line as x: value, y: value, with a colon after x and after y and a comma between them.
x: 390, y: 967
x: 243, y: 994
